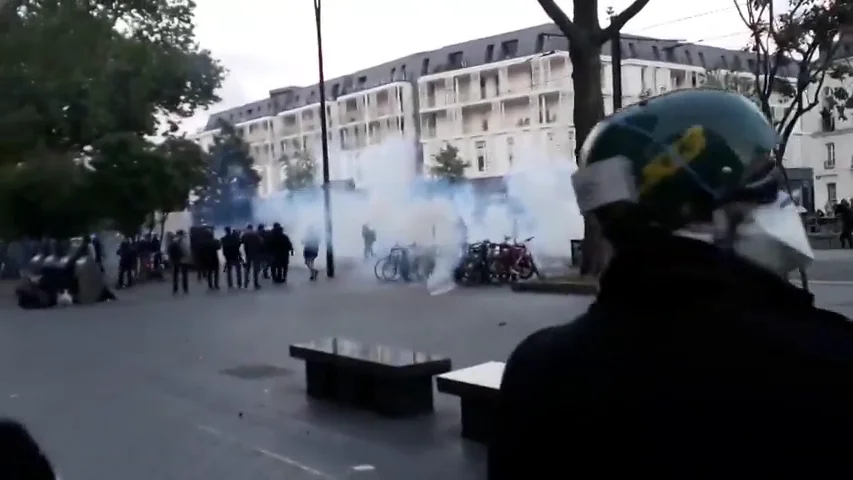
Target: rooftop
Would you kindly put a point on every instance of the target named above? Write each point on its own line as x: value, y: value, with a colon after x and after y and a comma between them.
x: 520, y: 43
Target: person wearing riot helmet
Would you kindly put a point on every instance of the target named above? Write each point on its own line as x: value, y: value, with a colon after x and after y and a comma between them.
x: 253, y: 249
x: 231, y: 252
x: 697, y: 357
x: 180, y: 258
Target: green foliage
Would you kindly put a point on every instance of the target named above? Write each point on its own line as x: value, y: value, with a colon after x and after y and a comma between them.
x: 48, y: 195
x: 300, y: 171
x: 448, y: 165
x: 93, y: 79
x: 795, y: 52
x: 230, y: 180
x: 184, y: 171
x: 125, y: 180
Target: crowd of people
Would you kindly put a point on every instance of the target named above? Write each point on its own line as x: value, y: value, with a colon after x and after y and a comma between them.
x: 248, y: 256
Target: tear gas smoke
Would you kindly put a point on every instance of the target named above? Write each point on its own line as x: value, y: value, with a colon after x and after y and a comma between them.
x: 404, y: 208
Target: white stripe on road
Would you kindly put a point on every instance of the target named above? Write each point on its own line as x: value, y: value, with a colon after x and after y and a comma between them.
x: 275, y: 456
x: 826, y: 282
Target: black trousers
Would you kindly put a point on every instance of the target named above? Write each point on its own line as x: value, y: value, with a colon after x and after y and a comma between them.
x: 212, y: 273
x: 253, y: 267
x: 231, y: 267
x: 180, y: 270
x: 846, y: 238
x: 125, y: 276
x: 280, y: 267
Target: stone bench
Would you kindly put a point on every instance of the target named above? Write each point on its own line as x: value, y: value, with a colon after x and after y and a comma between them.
x: 477, y: 388
x: 391, y: 381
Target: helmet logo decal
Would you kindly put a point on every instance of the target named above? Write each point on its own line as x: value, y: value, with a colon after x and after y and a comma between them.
x: 687, y: 148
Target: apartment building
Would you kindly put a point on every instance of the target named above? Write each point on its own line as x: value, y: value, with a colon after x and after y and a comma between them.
x: 500, y: 100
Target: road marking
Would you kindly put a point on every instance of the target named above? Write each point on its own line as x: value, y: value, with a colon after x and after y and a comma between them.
x: 825, y: 282
x: 267, y: 453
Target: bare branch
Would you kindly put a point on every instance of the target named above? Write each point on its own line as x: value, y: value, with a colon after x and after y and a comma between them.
x: 564, y: 23
x: 620, y: 20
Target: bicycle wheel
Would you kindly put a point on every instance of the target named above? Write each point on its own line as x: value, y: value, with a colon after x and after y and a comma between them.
x: 377, y: 268
x: 389, y: 270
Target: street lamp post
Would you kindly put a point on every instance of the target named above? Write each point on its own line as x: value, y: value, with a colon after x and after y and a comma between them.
x: 327, y: 200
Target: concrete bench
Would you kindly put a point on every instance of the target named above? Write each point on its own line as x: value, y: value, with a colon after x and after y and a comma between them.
x: 477, y: 388
x: 391, y: 381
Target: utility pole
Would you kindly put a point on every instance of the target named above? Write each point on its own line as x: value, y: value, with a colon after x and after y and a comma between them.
x: 616, y: 63
x: 324, y: 131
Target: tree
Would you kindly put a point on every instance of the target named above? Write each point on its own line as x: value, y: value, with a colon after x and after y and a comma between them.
x: 300, y: 171
x: 230, y: 182
x: 141, y: 65
x: 795, y: 54
x: 48, y: 195
x: 448, y: 165
x: 586, y: 38
x: 183, y: 171
x: 125, y: 180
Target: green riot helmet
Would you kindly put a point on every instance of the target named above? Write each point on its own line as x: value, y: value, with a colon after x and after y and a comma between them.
x: 678, y: 157
x: 690, y: 157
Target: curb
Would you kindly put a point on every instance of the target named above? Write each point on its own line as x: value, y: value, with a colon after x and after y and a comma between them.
x: 557, y: 287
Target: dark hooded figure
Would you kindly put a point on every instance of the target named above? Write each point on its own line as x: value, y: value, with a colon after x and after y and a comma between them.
x: 281, y: 249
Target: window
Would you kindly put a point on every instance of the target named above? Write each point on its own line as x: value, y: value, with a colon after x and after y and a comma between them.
x: 831, y: 193
x: 829, y: 163
x: 481, y: 155
x: 540, y: 43
x: 509, y: 49
x: 425, y: 66
x: 656, y: 52
x: 736, y: 64
x: 393, y: 73
x: 454, y: 59
x: 689, y: 57
x: 490, y: 53
x: 632, y: 50
x: 403, y: 72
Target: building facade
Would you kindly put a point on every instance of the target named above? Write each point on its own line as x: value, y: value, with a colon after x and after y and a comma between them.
x: 500, y: 100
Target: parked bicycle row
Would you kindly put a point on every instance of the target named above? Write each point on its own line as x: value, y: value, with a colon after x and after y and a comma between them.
x: 480, y: 263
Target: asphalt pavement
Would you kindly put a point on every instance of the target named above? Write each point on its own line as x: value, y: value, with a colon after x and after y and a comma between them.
x: 201, y: 387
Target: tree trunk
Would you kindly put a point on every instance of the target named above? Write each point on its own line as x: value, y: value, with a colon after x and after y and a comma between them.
x: 588, y: 110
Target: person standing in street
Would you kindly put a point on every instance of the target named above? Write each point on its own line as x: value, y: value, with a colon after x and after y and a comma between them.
x: 253, y: 250
x: 212, y: 246
x: 180, y: 258
x: 126, y: 259
x: 231, y: 252
x: 281, y: 249
x: 310, y: 252
x: 266, y: 250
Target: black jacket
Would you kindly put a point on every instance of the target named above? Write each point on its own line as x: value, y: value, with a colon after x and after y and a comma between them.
x: 231, y: 247
x: 691, y: 363
x: 252, y: 245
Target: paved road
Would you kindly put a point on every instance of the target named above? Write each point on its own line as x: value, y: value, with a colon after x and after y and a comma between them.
x: 136, y: 389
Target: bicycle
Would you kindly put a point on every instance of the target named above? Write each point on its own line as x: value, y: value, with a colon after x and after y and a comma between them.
x: 387, y: 268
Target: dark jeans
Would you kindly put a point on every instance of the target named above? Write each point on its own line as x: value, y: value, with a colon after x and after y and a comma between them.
x: 213, y: 276
x: 125, y: 276
x: 253, y: 266
x: 180, y: 270
x: 846, y: 238
x: 279, y: 269
x: 231, y: 267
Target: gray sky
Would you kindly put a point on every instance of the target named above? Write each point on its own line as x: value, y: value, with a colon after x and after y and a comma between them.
x: 267, y: 44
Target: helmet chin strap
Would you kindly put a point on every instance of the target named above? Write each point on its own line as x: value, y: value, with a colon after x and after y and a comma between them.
x: 770, y: 236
